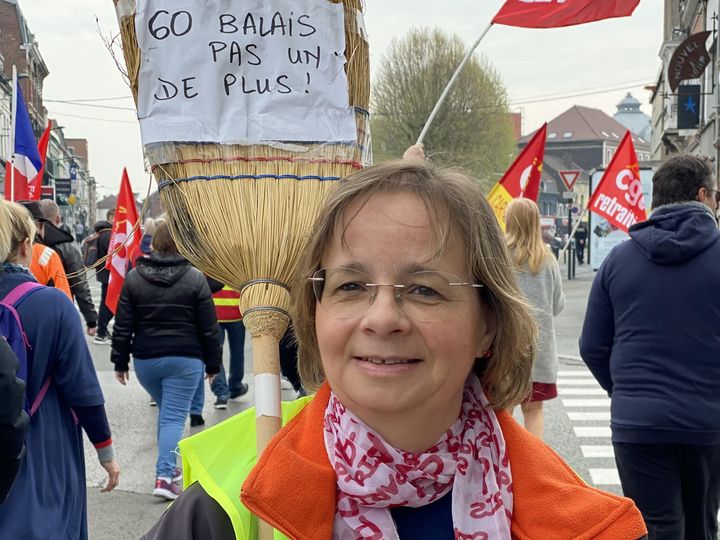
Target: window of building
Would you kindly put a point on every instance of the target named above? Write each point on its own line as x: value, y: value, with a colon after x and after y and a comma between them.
x: 615, y: 135
x: 567, y: 134
x: 605, y: 134
x: 552, y: 135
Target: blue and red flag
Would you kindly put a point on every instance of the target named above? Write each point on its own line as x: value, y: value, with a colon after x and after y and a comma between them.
x: 27, y: 157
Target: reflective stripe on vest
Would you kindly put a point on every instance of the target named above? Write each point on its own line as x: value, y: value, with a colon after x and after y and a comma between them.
x: 227, y: 305
x: 221, y: 468
x: 45, y: 256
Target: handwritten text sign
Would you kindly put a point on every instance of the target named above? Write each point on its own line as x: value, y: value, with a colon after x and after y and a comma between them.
x: 242, y: 72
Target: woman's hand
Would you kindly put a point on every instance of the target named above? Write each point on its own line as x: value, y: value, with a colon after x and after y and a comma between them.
x: 122, y: 377
x: 415, y: 153
x: 113, y: 470
x: 210, y: 376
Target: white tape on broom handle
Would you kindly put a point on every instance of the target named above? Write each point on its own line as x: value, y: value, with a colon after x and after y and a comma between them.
x: 267, y: 395
x: 450, y: 84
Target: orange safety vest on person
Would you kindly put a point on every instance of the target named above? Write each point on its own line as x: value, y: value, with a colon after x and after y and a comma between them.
x: 227, y: 305
x: 48, y: 269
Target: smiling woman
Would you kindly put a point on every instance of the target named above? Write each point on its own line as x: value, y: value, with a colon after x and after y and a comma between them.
x: 413, y: 333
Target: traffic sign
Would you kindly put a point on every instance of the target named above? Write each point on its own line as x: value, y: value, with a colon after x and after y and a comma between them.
x: 569, y: 178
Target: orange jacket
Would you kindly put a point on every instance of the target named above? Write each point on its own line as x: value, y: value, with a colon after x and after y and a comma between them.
x: 48, y: 269
x: 292, y: 487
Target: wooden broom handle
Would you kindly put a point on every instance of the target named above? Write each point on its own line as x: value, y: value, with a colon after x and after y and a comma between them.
x: 266, y: 367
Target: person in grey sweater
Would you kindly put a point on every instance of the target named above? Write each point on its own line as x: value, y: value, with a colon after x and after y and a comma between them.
x: 538, y: 276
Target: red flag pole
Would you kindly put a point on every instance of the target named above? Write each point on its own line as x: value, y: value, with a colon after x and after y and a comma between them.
x: 450, y: 84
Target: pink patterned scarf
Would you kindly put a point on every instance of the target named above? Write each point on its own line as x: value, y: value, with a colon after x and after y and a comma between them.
x: 372, y: 477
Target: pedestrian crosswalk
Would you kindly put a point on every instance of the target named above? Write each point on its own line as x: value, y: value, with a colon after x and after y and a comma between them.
x: 588, y: 409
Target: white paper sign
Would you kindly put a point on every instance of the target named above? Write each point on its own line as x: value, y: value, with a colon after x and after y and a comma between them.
x: 247, y: 71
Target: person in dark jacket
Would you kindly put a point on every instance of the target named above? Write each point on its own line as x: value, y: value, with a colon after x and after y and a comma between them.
x: 651, y: 338
x: 166, y: 319
x: 14, y: 421
x: 104, y: 230
x: 63, y: 244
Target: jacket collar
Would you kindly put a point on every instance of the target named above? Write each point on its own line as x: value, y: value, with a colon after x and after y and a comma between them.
x: 550, y: 500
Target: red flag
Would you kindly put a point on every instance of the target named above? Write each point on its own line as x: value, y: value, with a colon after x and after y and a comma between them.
x: 522, y: 179
x: 618, y: 196
x: 123, y: 239
x: 556, y: 13
x: 35, y: 183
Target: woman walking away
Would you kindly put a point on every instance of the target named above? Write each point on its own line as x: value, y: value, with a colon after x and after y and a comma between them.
x: 538, y: 276
x: 166, y: 320
x: 413, y: 334
x: 63, y: 398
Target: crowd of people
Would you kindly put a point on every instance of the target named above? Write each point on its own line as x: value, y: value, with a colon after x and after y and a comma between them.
x: 418, y: 326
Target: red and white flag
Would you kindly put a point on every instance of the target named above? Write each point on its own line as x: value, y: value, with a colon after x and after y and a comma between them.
x: 522, y: 179
x: 619, y: 195
x: 556, y: 13
x: 35, y: 184
x: 123, y: 239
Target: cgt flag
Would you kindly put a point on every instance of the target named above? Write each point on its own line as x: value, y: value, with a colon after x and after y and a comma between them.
x: 618, y: 196
x: 123, y: 240
x: 522, y: 179
x: 556, y: 13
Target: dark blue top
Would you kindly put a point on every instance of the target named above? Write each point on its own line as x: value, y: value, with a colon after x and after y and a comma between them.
x: 651, y: 335
x: 48, y: 499
x: 429, y: 522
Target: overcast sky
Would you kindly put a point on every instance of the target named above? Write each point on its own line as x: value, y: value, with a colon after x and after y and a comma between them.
x: 614, y: 56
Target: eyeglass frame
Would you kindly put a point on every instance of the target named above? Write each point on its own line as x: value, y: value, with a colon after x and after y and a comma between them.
x: 396, y: 286
x: 717, y: 194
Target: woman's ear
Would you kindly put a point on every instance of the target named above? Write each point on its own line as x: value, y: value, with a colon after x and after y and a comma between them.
x: 25, y: 249
x: 488, y: 335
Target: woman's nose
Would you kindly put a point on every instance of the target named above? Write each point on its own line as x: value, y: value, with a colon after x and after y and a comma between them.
x: 385, y: 314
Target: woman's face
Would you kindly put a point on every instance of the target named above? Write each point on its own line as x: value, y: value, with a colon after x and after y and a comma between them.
x: 382, y: 361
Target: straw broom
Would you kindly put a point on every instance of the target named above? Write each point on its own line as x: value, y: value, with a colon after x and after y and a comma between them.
x: 248, y: 232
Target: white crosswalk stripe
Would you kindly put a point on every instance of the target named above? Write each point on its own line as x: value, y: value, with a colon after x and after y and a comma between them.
x: 588, y: 409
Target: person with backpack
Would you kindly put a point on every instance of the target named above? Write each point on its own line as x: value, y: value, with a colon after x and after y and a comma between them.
x: 63, y: 396
x: 63, y: 244
x: 96, y: 247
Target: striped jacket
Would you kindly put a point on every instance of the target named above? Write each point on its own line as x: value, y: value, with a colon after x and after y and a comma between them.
x: 227, y: 305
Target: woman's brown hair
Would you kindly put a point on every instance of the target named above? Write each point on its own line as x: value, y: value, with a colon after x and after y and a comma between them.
x: 457, y: 207
x: 162, y: 241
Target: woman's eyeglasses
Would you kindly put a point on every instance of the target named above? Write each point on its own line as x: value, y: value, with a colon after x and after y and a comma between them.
x: 423, y: 296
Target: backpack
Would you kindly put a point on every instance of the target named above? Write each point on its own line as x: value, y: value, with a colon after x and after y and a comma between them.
x: 89, y: 250
x: 11, y: 330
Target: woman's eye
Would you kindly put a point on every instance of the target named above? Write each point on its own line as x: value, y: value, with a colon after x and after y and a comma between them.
x: 350, y: 287
x: 422, y: 291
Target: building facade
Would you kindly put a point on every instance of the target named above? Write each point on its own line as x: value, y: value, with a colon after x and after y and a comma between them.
x: 671, y: 132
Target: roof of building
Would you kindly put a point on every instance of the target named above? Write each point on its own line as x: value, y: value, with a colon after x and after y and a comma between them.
x: 629, y: 115
x: 580, y: 123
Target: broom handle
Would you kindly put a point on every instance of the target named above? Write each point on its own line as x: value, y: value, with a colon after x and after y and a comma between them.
x: 266, y: 366
x: 450, y: 84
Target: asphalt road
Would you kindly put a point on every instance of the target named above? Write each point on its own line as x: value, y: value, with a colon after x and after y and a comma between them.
x: 130, y: 510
